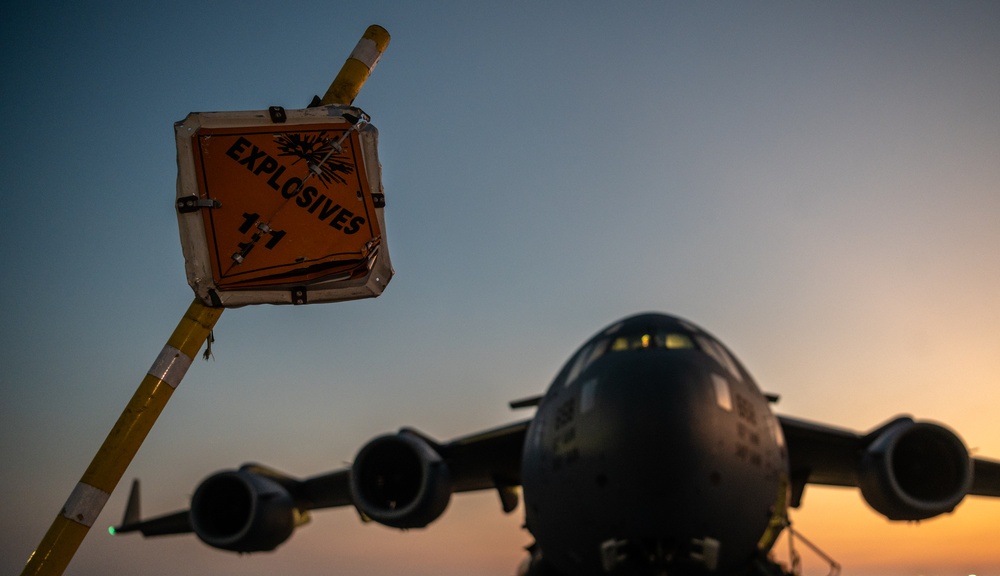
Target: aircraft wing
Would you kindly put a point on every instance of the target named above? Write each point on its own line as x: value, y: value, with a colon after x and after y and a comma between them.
x: 485, y: 460
x: 986, y: 478
x: 323, y: 491
x: 833, y: 456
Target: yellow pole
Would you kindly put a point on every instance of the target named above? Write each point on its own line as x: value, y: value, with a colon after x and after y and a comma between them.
x: 91, y: 493
x: 358, y: 67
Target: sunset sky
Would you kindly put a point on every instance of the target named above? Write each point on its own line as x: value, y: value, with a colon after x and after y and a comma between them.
x: 817, y: 184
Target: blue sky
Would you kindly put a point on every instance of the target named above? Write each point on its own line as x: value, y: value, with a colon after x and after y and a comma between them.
x: 814, y: 183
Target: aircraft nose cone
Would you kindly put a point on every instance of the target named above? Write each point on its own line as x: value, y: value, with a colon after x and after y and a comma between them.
x: 611, y: 456
x: 642, y: 451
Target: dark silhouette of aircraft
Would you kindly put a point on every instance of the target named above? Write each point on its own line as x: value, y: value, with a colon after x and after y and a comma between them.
x: 652, y: 452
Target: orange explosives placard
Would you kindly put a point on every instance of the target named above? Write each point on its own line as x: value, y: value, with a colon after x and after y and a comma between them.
x: 281, y: 206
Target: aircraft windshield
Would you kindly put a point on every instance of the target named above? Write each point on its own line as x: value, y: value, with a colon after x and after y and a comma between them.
x: 622, y: 342
x: 650, y: 332
x: 670, y: 340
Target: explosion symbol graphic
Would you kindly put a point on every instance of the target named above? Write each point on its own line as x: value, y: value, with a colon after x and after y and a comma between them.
x: 313, y: 148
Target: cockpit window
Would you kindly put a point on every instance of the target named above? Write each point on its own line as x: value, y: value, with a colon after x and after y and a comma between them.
x: 719, y: 354
x: 670, y: 340
x: 653, y: 332
x: 648, y: 340
x: 675, y: 341
x: 585, y: 358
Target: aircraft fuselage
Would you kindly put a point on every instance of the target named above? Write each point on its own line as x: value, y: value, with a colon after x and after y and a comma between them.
x: 653, y: 447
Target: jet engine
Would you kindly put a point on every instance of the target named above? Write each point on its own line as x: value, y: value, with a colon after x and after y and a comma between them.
x: 401, y: 481
x: 914, y: 470
x: 241, y: 511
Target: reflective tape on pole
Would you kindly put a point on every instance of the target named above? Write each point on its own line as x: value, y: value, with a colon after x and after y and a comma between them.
x: 154, y: 391
x: 108, y: 466
x: 359, y: 65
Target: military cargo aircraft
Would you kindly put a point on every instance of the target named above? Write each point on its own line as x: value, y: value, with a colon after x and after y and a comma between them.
x: 652, y: 452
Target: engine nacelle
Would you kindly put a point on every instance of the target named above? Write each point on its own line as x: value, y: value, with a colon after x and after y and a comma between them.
x: 241, y: 511
x: 915, y: 470
x: 400, y: 481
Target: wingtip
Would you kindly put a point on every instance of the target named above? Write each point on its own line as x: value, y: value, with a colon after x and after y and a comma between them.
x: 132, y: 517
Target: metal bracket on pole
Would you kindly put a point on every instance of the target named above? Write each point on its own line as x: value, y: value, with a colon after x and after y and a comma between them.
x: 277, y: 114
x: 193, y: 204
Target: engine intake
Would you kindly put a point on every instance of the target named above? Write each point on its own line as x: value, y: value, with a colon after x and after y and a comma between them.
x: 401, y: 481
x: 915, y: 470
x: 241, y: 511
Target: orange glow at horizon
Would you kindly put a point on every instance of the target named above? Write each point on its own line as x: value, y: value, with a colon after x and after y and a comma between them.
x: 474, y: 536
x: 839, y: 522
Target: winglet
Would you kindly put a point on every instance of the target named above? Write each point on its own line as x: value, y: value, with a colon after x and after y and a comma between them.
x: 173, y: 523
x: 131, y: 519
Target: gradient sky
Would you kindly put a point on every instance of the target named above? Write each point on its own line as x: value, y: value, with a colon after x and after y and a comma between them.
x: 814, y: 183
